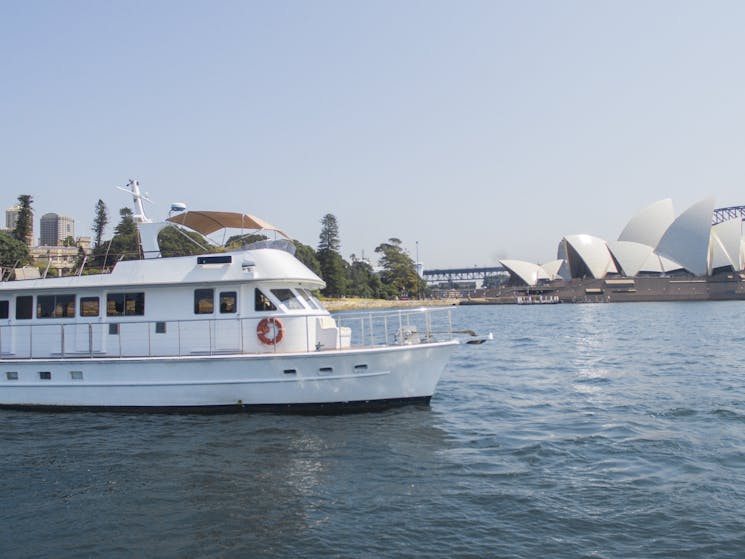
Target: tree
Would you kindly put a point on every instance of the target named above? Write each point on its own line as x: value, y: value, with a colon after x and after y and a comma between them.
x: 363, y: 281
x: 333, y: 267
x: 13, y: 252
x: 126, y: 243
x: 69, y: 241
x: 307, y: 256
x: 175, y: 242
x: 25, y: 224
x: 399, y: 273
x: 239, y: 241
x: 99, y: 223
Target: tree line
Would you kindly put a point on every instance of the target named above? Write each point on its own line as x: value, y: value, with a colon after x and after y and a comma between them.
x: 396, y: 278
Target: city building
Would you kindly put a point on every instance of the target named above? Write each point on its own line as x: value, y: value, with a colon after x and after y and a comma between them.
x: 54, y: 229
x: 11, y: 220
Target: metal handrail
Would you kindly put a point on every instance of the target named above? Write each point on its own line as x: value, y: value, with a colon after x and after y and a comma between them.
x: 139, y: 338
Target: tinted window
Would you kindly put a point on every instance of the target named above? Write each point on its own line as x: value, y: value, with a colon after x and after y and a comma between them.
x: 310, y: 299
x: 262, y: 302
x: 89, y: 306
x: 24, y: 307
x: 204, y: 301
x: 55, y: 306
x: 4, y: 309
x: 125, y: 304
x: 45, y: 306
x: 228, y: 301
x: 287, y: 298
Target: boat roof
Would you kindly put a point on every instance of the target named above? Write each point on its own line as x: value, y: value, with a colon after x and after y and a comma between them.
x: 207, y: 222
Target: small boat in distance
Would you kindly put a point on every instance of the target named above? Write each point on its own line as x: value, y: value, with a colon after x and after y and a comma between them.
x: 229, y: 330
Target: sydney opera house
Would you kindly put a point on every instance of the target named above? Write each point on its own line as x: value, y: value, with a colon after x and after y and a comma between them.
x: 695, y: 255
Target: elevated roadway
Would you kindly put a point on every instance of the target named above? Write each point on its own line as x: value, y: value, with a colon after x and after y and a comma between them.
x: 454, y: 275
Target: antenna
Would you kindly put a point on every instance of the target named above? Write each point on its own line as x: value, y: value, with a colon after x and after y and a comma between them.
x: 133, y: 188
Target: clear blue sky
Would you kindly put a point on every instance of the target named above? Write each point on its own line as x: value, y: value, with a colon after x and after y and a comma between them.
x: 480, y: 129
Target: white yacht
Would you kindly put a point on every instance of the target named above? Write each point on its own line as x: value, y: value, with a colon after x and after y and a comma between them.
x: 226, y: 330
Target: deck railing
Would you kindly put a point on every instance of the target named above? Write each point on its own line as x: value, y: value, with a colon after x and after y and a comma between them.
x: 72, y: 339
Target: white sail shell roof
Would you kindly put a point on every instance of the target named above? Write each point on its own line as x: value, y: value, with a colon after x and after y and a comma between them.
x: 594, y: 253
x: 553, y: 268
x: 727, y: 245
x: 526, y: 272
x: 649, y: 225
x: 687, y: 239
x: 630, y: 256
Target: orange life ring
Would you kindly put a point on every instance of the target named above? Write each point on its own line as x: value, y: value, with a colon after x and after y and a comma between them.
x: 270, y: 331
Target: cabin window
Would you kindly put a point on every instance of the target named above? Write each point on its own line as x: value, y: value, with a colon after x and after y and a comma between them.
x: 89, y: 306
x: 45, y: 375
x: 204, y: 301
x: 287, y: 298
x: 4, y: 309
x: 55, y: 306
x: 160, y: 327
x: 113, y: 329
x: 125, y: 304
x: 262, y: 302
x: 11, y: 375
x: 313, y: 303
x: 24, y: 307
x: 228, y: 301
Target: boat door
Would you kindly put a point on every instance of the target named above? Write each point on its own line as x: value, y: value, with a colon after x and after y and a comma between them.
x: 6, y: 340
x: 227, y: 335
x: 84, y: 337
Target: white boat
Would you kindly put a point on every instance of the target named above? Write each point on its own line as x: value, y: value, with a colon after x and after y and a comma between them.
x: 228, y: 330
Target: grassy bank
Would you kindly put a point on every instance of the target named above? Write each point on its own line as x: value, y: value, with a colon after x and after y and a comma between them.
x: 352, y: 303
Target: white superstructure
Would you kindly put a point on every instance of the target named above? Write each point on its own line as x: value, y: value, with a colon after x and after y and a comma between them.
x: 227, y: 329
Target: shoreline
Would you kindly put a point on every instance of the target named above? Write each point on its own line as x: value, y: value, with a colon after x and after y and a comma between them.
x: 358, y: 304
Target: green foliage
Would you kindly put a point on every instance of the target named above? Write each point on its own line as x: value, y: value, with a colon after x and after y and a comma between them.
x: 13, y: 252
x: 126, y: 244
x: 364, y: 282
x: 175, y: 242
x: 333, y: 267
x: 239, y: 241
x: 307, y: 256
x: 99, y: 223
x: 329, y: 237
x: 399, y: 270
x: 69, y: 241
x: 24, y: 225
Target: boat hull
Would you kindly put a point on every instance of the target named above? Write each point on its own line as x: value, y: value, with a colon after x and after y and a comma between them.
x: 351, y: 379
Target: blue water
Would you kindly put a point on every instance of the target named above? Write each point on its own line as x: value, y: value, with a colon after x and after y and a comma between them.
x: 609, y: 430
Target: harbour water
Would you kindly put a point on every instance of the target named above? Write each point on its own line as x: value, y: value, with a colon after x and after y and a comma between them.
x: 605, y: 430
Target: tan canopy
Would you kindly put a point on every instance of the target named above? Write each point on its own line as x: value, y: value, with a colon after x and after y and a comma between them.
x: 209, y: 222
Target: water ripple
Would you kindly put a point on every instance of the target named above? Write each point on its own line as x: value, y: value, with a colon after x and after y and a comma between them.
x: 581, y: 431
